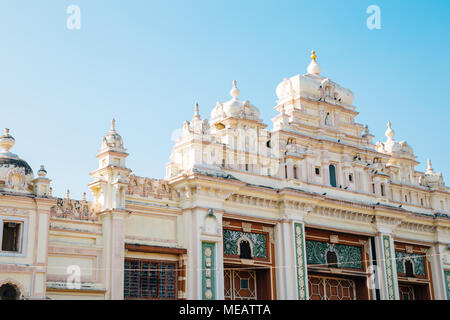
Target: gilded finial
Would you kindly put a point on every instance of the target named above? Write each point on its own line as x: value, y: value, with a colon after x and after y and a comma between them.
x: 313, y: 55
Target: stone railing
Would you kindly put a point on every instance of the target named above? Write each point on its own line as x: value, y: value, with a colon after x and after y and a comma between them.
x: 73, y: 209
x: 148, y: 188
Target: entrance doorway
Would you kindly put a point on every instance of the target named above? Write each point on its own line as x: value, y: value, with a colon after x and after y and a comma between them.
x: 410, y: 291
x: 247, y: 284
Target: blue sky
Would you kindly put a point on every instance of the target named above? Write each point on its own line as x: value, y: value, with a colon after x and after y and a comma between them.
x: 147, y: 62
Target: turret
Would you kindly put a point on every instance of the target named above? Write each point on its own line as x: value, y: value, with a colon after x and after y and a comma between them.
x: 110, y: 178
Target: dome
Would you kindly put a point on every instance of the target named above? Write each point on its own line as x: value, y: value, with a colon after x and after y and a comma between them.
x: 112, y: 141
x: 391, y: 146
x: 235, y: 108
x: 15, y: 173
x: 314, y: 86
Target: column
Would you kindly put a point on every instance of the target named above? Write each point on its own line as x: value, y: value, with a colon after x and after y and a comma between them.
x: 113, y: 251
x: 387, y: 268
x: 285, y: 260
x: 441, y: 277
x: 300, y: 261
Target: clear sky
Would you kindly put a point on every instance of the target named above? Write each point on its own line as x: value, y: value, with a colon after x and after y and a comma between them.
x: 147, y: 62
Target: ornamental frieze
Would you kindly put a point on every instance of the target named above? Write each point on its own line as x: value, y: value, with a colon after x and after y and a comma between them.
x: 148, y: 188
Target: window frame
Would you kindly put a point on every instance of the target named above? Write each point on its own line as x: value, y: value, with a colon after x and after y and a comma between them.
x: 158, y: 262
x: 334, y: 166
x: 317, y: 171
x: 23, y: 236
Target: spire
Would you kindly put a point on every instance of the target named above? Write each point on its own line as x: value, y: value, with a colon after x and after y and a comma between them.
x: 196, y: 111
x: 389, y: 132
x: 113, y: 125
x: 234, y: 92
x: 112, y: 141
x: 314, y: 67
x: 429, y: 168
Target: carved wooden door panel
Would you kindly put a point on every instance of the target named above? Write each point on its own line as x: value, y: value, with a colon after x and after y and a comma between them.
x: 240, y: 285
x: 327, y: 288
x: 406, y: 292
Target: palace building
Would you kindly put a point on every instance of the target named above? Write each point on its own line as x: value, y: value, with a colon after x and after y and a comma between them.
x: 312, y: 209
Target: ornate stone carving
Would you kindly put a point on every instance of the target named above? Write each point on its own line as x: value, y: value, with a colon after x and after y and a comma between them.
x: 73, y: 209
x: 148, y: 188
x: 15, y: 179
x: 246, y: 227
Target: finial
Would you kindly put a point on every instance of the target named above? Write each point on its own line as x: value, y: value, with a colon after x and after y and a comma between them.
x: 50, y: 190
x: 429, y: 168
x: 84, y: 196
x: 234, y: 92
x: 196, y: 111
x: 113, y: 124
x: 6, y: 142
x: 314, y: 67
x: 366, y: 130
x: 389, y: 132
x: 42, y: 172
x: 68, y: 194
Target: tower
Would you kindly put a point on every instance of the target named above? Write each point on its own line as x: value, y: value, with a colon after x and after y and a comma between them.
x: 110, y: 178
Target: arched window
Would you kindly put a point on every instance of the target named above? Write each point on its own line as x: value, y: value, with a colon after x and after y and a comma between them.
x: 244, y: 247
x: 328, y: 119
x: 332, y: 260
x: 332, y: 169
x: 382, y: 189
x: 409, y: 268
x: 9, y: 292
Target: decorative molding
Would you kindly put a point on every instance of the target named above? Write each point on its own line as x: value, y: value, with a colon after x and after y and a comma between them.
x: 14, y: 211
x: 271, y: 233
x: 246, y: 227
x: 148, y: 188
x: 73, y: 209
x: 390, y: 277
x: 208, y: 271
x: 334, y: 239
x: 302, y: 280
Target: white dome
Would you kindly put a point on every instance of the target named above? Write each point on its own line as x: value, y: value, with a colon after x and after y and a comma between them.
x: 235, y: 108
x: 15, y: 173
x: 313, y: 86
x: 113, y: 141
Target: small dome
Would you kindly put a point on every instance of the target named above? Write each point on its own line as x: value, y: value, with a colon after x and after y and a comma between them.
x: 314, y: 86
x: 391, y: 146
x: 15, y: 173
x: 112, y: 141
x: 235, y: 108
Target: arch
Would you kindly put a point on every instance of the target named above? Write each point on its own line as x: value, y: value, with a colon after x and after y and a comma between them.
x: 332, y: 170
x: 332, y: 260
x: 328, y: 119
x: 10, y: 291
x: 409, y: 267
x: 245, y: 248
